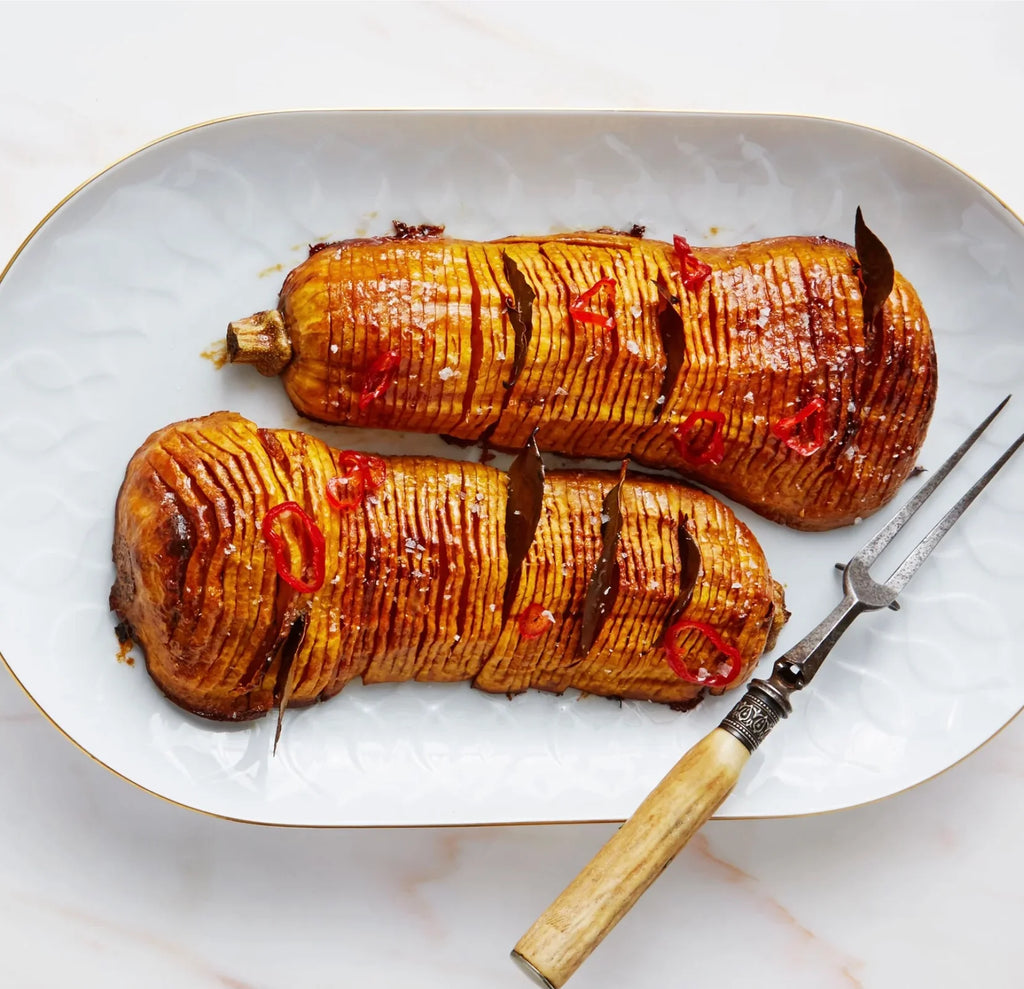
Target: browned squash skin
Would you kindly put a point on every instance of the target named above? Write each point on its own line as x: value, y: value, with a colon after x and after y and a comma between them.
x: 414, y: 576
x: 778, y: 324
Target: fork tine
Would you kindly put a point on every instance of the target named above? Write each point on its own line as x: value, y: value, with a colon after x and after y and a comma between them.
x: 920, y: 552
x: 881, y: 539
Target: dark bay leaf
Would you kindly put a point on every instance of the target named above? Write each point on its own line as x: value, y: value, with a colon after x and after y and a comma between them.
x: 522, y: 512
x: 520, y: 314
x: 690, y: 569
x: 670, y: 326
x: 604, y: 580
x: 285, y: 682
x: 877, y: 274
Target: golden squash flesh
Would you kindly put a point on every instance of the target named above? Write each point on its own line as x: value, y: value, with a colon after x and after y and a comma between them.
x: 413, y: 576
x: 784, y: 397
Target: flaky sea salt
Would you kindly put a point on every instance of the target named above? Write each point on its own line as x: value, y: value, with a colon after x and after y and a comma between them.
x: 447, y: 372
x: 632, y: 346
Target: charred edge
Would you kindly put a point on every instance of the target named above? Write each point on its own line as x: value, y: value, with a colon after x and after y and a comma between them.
x: 402, y: 231
x: 420, y: 231
x: 683, y: 706
x: 122, y: 593
x: 820, y: 240
x: 637, y: 230
x: 125, y: 633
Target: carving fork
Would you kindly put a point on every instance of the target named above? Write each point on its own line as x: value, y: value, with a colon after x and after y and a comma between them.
x: 590, y: 906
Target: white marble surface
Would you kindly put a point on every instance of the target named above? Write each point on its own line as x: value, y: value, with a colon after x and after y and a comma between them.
x: 103, y: 885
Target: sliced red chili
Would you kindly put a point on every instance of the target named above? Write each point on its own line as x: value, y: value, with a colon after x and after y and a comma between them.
x: 580, y: 312
x: 345, y: 491
x: 706, y: 678
x: 374, y: 469
x: 804, y: 431
x: 693, y: 443
x: 693, y: 271
x: 534, y: 620
x: 379, y: 378
x: 361, y: 473
x: 313, y: 548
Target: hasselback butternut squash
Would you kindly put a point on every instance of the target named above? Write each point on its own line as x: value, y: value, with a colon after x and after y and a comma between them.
x: 754, y: 369
x: 259, y: 565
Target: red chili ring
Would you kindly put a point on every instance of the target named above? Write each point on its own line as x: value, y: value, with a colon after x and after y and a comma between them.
x: 360, y: 473
x: 675, y: 656
x: 534, y: 620
x: 354, y: 490
x: 785, y: 429
x: 379, y: 378
x: 578, y: 305
x: 692, y: 270
x: 315, y: 544
x: 713, y: 451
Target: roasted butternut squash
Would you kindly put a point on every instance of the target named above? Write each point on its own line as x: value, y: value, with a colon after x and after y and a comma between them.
x: 752, y: 369
x: 406, y: 575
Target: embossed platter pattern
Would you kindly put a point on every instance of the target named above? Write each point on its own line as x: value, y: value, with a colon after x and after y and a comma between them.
x: 107, y: 308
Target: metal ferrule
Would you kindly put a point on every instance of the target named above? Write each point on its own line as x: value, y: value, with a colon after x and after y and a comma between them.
x: 758, y: 711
